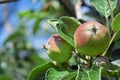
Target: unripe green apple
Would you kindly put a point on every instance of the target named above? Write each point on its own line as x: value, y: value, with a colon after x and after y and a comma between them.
x: 91, y: 38
x: 58, y: 49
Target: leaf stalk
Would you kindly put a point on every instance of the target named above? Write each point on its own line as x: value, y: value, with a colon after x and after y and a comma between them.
x: 109, y: 44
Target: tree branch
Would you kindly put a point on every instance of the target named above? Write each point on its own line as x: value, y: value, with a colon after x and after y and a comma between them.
x: 78, y: 10
x: 7, y: 1
x: 69, y: 8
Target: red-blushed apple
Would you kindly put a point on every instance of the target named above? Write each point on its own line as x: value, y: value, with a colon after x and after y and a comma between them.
x: 58, y: 49
x: 91, y: 38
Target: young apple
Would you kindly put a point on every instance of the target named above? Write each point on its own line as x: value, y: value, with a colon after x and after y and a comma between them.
x: 58, y: 49
x: 91, y: 38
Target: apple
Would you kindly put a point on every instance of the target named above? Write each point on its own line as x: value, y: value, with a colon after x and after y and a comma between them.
x: 58, y: 49
x: 91, y: 38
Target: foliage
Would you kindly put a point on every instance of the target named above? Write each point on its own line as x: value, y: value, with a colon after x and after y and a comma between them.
x: 104, y: 9
x: 19, y: 57
x: 87, y: 67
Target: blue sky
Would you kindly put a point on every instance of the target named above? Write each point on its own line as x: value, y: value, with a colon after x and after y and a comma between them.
x: 13, y: 9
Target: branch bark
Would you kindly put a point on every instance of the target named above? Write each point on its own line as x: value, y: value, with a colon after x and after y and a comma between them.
x: 7, y: 1
x: 69, y: 8
x: 78, y: 10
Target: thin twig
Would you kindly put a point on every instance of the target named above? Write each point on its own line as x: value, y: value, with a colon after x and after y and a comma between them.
x: 69, y: 8
x: 107, y: 24
x: 77, y: 8
x: 109, y: 44
x: 112, y: 16
x: 7, y: 1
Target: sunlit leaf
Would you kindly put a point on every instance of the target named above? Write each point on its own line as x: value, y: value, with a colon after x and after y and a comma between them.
x: 102, y: 6
x: 92, y: 74
x: 53, y: 74
x: 66, y: 37
x: 65, y: 27
x: 31, y: 14
x: 25, y: 14
x: 38, y: 73
x: 63, y: 35
x: 69, y: 25
x: 116, y: 23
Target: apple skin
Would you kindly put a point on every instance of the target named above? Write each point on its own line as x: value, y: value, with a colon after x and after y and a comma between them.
x: 58, y: 49
x: 91, y: 38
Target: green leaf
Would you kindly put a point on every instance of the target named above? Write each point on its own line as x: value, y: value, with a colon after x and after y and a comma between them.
x: 117, y: 37
x: 4, y: 77
x: 70, y: 76
x: 92, y: 74
x: 116, y: 23
x: 36, y: 15
x: 66, y: 27
x: 38, y: 73
x: 66, y: 37
x: 13, y: 37
x: 37, y: 60
x: 53, y: 74
x: 69, y: 25
x: 26, y: 13
x: 36, y: 26
x: 117, y: 45
x: 103, y: 7
x: 54, y: 23
x: 31, y: 14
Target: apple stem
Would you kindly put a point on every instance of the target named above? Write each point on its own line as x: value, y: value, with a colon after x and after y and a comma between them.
x: 112, y: 16
x: 107, y: 24
x: 109, y: 44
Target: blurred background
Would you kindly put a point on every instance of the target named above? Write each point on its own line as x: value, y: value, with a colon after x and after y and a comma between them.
x: 24, y: 29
